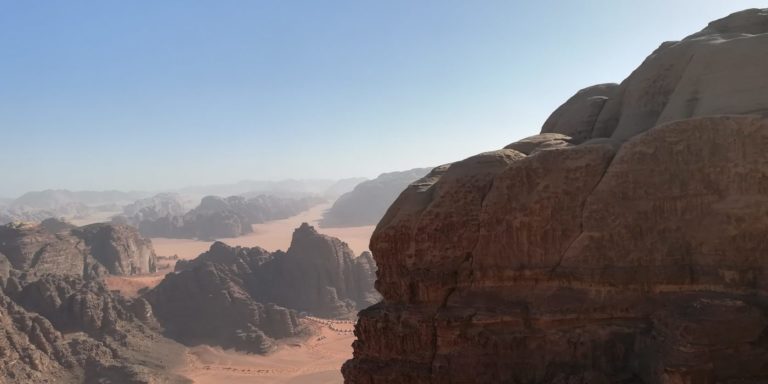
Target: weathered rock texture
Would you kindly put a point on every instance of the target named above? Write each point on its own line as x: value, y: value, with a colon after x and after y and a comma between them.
x: 625, y: 244
x: 62, y: 329
x: 245, y: 298
x: 367, y: 203
x: 89, y: 251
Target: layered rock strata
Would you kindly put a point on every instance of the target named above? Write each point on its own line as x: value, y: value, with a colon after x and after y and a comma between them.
x: 624, y: 244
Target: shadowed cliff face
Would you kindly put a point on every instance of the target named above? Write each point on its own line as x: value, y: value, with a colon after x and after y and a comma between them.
x: 62, y: 329
x: 245, y: 298
x: 624, y: 244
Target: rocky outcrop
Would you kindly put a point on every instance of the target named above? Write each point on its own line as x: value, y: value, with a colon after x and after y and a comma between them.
x: 90, y: 251
x: 625, y: 244
x: 215, y: 217
x: 368, y: 202
x: 319, y: 275
x: 208, y: 302
x: 62, y: 329
x: 158, y: 216
x: 245, y: 298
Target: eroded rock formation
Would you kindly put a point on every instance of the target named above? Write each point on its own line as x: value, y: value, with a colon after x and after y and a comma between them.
x: 245, y: 298
x: 625, y: 244
x: 89, y: 251
x: 62, y: 329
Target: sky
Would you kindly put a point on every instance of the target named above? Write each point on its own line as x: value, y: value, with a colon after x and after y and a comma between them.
x: 154, y: 95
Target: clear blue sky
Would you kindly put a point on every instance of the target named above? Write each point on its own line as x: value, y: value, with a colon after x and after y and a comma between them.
x: 159, y: 94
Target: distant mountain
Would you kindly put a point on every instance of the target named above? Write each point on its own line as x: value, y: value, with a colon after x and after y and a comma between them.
x: 155, y: 207
x: 369, y: 200
x: 51, y: 199
x: 141, y: 206
x: 215, y: 217
x: 61, y: 203
x: 343, y: 186
x: 284, y: 188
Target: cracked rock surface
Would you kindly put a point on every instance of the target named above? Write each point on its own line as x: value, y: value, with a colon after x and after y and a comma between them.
x: 625, y: 244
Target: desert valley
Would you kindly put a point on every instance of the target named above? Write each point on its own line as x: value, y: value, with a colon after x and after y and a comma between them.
x: 622, y: 242
x: 274, y: 302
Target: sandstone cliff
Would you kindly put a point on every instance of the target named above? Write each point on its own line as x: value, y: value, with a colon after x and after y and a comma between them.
x: 318, y: 274
x: 90, y: 251
x: 245, y: 298
x: 624, y: 244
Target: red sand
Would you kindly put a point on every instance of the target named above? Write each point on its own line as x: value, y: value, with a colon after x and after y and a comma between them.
x: 317, y: 360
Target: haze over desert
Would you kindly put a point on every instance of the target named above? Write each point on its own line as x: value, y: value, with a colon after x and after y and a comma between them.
x: 384, y: 192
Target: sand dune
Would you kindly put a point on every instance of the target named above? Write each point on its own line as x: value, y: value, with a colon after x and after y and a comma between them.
x: 270, y: 236
x: 315, y: 360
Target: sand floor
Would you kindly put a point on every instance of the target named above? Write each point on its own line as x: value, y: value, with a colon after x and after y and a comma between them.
x: 270, y: 236
x: 317, y: 360
x: 95, y: 217
x: 130, y: 285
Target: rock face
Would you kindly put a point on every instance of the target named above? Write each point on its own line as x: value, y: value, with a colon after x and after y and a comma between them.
x: 215, y: 217
x: 90, y: 251
x: 158, y: 216
x: 245, y: 298
x: 62, y: 329
x: 625, y: 244
x: 320, y: 275
x: 367, y: 203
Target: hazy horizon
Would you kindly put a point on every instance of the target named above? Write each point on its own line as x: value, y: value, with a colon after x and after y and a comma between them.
x: 195, y: 188
x: 149, y: 96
